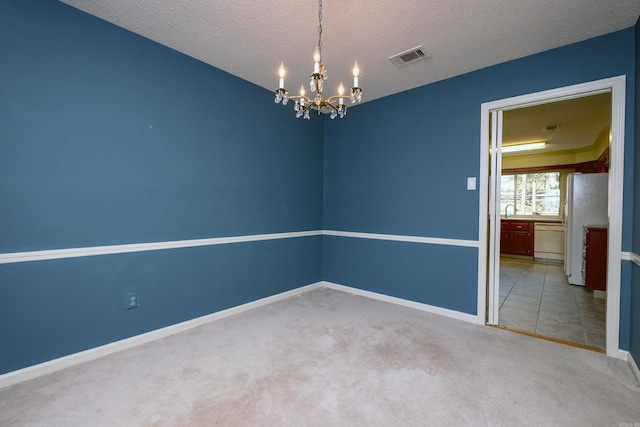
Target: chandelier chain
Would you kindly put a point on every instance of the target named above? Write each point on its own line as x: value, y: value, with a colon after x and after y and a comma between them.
x: 320, y: 25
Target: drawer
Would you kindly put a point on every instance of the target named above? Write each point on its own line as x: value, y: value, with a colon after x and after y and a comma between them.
x: 515, y: 225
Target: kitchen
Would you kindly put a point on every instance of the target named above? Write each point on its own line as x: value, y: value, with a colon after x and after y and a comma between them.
x: 547, y: 197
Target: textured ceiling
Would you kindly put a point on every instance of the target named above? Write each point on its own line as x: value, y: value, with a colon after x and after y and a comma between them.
x: 250, y: 38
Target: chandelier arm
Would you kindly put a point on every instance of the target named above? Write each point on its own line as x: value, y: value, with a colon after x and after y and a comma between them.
x: 331, y: 98
x: 296, y: 97
x: 328, y: 104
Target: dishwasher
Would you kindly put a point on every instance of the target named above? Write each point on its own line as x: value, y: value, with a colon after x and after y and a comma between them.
x: 548, y: 243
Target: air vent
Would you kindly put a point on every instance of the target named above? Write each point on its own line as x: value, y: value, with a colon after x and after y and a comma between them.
x: 551, y: 128
x: 409, y: 56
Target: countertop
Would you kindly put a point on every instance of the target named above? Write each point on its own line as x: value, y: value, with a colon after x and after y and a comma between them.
x: 532, y: 219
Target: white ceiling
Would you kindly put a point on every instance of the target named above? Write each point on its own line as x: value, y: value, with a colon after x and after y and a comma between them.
x: 250, y: 38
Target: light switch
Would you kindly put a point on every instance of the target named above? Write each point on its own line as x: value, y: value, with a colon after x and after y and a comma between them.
x: 471, y: 183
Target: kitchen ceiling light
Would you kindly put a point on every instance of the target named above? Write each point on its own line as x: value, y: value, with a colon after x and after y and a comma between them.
x: 334, y: 104
x: 524, y: 147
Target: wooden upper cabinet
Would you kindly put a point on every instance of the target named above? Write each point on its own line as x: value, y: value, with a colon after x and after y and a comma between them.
x: 602, y: 164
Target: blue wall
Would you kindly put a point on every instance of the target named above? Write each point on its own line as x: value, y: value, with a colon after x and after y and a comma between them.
x: 399, y: 165
x: 634, y: 345
x: 405, y: 270
x: 108, y: 138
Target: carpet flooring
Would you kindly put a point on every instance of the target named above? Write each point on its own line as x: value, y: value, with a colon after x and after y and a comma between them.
x: 329, y: 358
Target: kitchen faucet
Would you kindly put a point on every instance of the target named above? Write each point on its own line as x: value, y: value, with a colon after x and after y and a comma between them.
x: 506, y: 210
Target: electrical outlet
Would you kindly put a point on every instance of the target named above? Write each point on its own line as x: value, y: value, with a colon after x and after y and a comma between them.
x: 132, y: 300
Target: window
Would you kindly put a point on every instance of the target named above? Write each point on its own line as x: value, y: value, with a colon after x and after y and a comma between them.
x: 527, y: 194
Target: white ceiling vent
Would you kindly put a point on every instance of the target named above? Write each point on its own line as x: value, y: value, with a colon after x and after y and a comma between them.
x: 409, y: 56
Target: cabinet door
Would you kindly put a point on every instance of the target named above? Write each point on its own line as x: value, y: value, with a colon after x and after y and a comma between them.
x: 595, y: 259
x: 505, y: 242
x: 520, y: 242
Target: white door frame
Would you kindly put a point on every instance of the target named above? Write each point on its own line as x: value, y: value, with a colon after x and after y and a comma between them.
x: 488, y: 277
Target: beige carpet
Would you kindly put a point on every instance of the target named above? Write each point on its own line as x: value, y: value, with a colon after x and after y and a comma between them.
x: 328, y: 358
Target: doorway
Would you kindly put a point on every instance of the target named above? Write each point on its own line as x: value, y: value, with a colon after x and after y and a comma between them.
x: 489, y: 251
x: 535, y: 295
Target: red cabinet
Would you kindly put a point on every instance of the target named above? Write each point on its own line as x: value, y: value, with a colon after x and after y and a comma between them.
x: 516, y: 237
x: 602, y: 164
x: 594, y: 254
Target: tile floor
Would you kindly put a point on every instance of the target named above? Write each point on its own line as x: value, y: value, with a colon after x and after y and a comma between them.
x: 536, y: 297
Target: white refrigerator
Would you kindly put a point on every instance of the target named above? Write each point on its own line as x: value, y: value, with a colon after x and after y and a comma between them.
x: 586, y: 204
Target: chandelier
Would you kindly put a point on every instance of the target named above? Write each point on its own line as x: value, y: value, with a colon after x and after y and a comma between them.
x: 333, y: 105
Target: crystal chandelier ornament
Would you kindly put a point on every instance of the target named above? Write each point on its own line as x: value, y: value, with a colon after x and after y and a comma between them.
x: 334, y: 105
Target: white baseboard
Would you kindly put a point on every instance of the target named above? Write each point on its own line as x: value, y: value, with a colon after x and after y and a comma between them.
x: 406, y: 303
x: 50, y: 366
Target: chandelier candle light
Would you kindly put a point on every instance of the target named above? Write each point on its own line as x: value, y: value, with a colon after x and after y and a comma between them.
x: 334, y: 104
